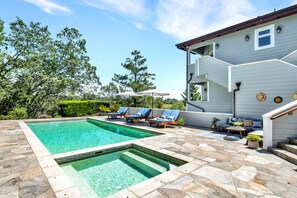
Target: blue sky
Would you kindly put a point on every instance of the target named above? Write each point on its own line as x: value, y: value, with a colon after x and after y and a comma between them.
x: 114, y: 28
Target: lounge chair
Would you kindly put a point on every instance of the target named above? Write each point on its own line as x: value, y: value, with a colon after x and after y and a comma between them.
x: 143, y: 113
x: 166, y: 119
x: 121, y: 112
x: 165, y: 114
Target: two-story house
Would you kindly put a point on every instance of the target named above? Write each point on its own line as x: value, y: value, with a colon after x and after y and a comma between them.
x: 250, y: 70
x: 247, y: 69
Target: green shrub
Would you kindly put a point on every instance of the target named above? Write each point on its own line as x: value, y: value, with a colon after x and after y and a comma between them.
x: 253, y: 138
x: 114, y: 107
x: 215, y: 120
x: 181, y: 121
x: 74, y: 108
x: 16, y: 113
x: 104, y: 109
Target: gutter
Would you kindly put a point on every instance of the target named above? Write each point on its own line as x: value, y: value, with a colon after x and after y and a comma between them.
x: 234, y: 97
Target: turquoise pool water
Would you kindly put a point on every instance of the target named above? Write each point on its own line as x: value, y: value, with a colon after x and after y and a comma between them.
x: 65, y: 136
x: 107, y: 174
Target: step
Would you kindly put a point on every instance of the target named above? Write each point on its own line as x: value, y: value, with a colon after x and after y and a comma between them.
x: 293, y: 141
x: 143, y: 164
x: 288, y: 147
x: 286, y: 155
x: 80, y: 182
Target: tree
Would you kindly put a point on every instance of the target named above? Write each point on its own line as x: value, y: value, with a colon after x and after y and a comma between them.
x: 40, y: 69
x: 109, y: 91
x: 138, y: 79
x: 195, y: 93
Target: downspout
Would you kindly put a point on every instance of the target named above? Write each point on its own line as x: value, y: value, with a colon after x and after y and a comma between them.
x: 188, y: 81
x: 234, y: 96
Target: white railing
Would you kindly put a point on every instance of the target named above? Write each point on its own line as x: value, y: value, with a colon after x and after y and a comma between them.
x: 268, y: 119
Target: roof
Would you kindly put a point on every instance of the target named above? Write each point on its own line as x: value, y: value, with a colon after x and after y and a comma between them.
x: 241, y: 26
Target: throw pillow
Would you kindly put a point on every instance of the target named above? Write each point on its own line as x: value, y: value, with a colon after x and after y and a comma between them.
x: 257, y: 124
x: 170, y: 117
x: 138, y: 114
x: 163, y: 116
x: 248, y: 123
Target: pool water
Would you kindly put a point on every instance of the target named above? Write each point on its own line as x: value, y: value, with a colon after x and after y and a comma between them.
x: 107, y: 174
x: 66, y: 136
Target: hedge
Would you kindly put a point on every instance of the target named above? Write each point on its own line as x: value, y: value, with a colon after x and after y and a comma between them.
x: 75, y: 108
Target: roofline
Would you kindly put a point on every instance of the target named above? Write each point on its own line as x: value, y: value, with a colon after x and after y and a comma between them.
x: 241, y: 26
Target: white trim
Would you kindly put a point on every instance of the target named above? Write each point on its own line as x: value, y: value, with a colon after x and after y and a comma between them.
x: 265, y: 61
x: 271, y: 34
x: 295, y: 51
x: 267, y: 132
x: 207, y: 85
x: 229, y: 78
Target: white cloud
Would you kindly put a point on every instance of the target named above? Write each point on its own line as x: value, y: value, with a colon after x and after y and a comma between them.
x: 294, y: 2
x: 133, y: 8
x: 138, y: 25
x: 49, y: 6
x: 189, y: 19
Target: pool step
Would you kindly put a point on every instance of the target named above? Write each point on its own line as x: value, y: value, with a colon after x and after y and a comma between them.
x: 154, y: 159
x: 144, y: 164
x: 80, y: 182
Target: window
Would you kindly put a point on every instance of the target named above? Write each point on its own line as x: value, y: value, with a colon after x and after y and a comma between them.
x: 264, y: 37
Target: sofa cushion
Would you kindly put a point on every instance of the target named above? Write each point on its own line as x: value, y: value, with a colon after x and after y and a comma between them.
x: 257, y: 124
x: 248, y: 123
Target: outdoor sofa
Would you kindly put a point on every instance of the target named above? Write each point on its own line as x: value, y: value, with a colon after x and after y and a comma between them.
x: 168, y: 117
x: 143, y: 113
x: 121, y: 112
x: 248, y: 124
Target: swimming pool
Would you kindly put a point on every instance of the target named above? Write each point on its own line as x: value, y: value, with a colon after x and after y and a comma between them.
x: 66, y: 136
x: 103, y: 175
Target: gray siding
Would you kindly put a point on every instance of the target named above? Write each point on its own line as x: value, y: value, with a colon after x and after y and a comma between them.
x: 217, y: 70
x: 200, y: 119
x: 275, y: 78
x: 235, y: 50
x: 291, y: 58
x: 284, y: 127
x: 220, y: 100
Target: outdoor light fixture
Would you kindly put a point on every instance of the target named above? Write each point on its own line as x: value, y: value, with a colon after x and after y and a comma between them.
x: 247, y: 37
x: 278, y: 29
x: 205, y: 90
x: 217, y: 45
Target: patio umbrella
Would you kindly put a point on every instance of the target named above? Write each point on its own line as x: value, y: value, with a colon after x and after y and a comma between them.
x: 128, y: 94
x: 152, y: 92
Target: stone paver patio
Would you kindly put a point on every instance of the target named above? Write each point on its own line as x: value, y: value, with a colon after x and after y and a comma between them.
x: 20, y: 173
x: 217, y: 169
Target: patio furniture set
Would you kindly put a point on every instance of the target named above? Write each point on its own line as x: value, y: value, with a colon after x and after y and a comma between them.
x: 169, y: 117
x: 243, y: 126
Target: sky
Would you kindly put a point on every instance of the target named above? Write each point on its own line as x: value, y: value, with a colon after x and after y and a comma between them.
x: 114, y: 28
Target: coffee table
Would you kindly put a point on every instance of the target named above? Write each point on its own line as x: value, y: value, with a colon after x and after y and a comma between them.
x: 239, y: 129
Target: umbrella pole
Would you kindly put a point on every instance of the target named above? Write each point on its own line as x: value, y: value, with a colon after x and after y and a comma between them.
x: 129, y: 104
x: 152, y: 105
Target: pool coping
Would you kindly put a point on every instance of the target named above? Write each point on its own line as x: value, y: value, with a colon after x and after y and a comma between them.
x: 61, y: 183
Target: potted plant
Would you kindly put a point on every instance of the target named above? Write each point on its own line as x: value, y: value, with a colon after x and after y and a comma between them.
x: 214, y: 123
x: 253, y: 141
x: 181, y: 122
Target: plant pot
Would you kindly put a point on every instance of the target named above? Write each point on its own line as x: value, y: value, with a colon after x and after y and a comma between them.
x: 213, y: 127
x: 253, y: 144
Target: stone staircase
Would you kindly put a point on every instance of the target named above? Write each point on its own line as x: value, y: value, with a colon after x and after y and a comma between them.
x: 287, y: 151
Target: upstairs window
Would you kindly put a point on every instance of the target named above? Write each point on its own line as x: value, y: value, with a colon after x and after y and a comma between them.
x: 264, y: 37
